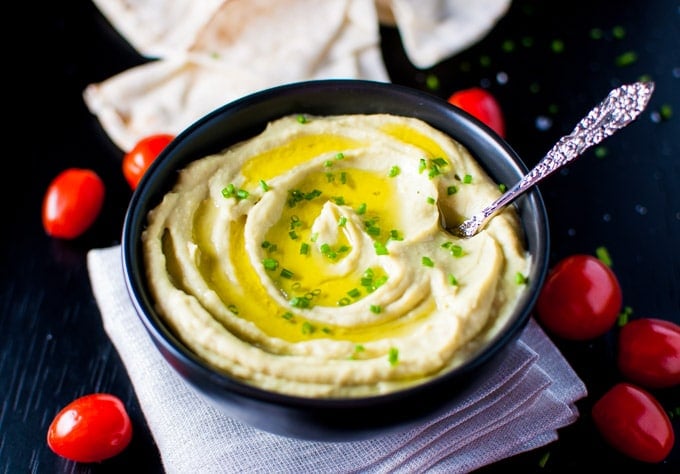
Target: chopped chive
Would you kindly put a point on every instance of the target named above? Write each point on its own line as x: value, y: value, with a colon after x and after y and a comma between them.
x: 377, y: 309
x: 295, y: 222
x: 393, y: 356
x: 242, y: 194
x: 451, y: 190
x: 233, y: 308
x: 666, y: 112
x: 508, y: 46
x: 521, y: 279
x: 596, y: 33
x: 452, y: 280
x: 395, y: 235
x: 304, y: 248
x: 361, y: 209
x: 380, y: 248
x: 285, y: 273
x: 380, y: 282
x: 343, y: 248
x: 340, y: 156
x: 328, y: 163
x: 603, y: 255
x: 373, y: 230
x: 427, y: 261
x: 354, y: 293
x: 422, y: 164
x: 394, y: 171
x: 439, y: 161
x: 330, y: 177
x: 432, y: 82
x: 344, y: 301
x: 312, y: 194
x: 342, y: 221
x: 502, y: 187
x: 544, y: 459
x: 626, y: 59
x: 287, y: 315
x: 270, y: 263
x: 343, y: 177
x: 601, y: 151
x: 265, y: 244
x: 307, y: 328
x: 314, y: 236
x: 467, y: 179
x: 456, y: 250
x: 293, y: 235
x: 263, y: 184
x: 557, y: 46
x: 301, y: 118
x: 619, y: 32
x: 229, y: 190
x: 300, y: 302
x: 624, y: 316
x: 339, y: 200
x: 430, y: 200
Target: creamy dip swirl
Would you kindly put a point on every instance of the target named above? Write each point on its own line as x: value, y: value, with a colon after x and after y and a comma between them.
x: 311, y: 259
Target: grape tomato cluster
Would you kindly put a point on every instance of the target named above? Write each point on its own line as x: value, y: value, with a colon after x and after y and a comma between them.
x: 582, y: 300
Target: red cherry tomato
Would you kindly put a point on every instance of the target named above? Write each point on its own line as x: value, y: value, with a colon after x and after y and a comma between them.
x: 145, y: 151
x: 72, y: 202
x: 91, y: 428
x: 649, y: 352
x: 632, y: 421
x: 581, y: 298
x: 482, y: 105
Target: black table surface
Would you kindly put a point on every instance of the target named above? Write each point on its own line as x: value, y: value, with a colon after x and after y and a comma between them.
x: 546, y: 62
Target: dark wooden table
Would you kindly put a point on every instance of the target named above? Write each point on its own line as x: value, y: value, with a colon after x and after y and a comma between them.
x: 547, y: 68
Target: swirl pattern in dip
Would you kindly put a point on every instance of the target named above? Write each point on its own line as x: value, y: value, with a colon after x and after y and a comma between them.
x: 311, y: 259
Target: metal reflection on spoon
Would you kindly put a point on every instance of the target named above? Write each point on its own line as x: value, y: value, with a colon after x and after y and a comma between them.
x: 621, y: 106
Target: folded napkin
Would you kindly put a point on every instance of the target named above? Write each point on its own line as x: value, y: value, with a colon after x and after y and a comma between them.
x: 518, y: 408
x: 209, y: 52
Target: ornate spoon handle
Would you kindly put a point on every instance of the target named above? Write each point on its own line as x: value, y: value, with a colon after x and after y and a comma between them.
x: 618, y: 109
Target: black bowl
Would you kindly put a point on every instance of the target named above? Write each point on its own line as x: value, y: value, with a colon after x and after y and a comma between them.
x: 329, y: 419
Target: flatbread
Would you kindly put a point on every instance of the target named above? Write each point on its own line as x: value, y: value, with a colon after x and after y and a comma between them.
x: 247, y: 45
x: 158, y: 28
x: 205, y: 53
x: 432, y: 31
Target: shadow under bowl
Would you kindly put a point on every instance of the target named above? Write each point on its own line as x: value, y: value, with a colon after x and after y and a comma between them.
x: 343, y: 419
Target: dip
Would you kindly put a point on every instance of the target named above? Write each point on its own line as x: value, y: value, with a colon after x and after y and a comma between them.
x: 312, y: 260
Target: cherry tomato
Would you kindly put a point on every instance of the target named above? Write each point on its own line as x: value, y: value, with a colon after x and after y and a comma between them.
x: 581, y: 298
x: 145, y: 151
x: 72, y: 202
x: 632, y: 421
x: 649, y: 352
x: 482, y: 105
x: 91, y: 428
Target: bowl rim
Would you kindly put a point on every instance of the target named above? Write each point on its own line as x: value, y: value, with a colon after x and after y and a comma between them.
x: 427, y: 106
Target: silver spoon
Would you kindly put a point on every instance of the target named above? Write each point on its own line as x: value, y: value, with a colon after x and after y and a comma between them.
x: 618, y: 109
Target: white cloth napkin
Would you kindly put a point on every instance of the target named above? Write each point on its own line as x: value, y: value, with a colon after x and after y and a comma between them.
x: 519, y: 408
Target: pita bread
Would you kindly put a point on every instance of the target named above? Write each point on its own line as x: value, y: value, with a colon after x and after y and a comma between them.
x: 432, y: 31
x: 157, y: 28
x: 205, y: 53
x: 247, y: 45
